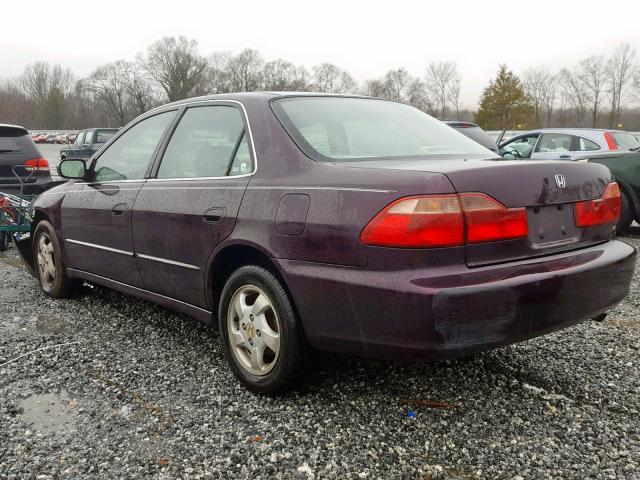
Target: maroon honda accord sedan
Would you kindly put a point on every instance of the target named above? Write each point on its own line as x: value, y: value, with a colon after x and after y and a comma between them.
x: 303, y: 221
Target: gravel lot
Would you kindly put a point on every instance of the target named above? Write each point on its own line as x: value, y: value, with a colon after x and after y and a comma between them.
x: 136, y: 391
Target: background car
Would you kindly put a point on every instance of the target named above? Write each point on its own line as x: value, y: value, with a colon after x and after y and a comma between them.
x: 87, y: 142
x: 474, y: 132
x: 17, y: 148
x: 566, y: 143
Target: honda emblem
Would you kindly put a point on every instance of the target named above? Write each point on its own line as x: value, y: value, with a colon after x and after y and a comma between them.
x: 560, y: 181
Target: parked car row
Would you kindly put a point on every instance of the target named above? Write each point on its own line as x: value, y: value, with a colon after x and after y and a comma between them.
x: 304, y: 222
x: 53, y: 138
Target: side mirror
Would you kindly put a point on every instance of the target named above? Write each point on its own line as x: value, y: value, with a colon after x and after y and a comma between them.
x: 72, y: 168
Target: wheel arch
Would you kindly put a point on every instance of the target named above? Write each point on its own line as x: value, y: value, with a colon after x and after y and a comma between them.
x: 231, y: 257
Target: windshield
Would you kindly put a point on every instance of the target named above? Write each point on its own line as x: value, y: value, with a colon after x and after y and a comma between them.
x: 625, y: 141
x: 347, y: 129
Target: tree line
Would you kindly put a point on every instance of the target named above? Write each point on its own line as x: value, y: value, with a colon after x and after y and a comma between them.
x: 593, y: 92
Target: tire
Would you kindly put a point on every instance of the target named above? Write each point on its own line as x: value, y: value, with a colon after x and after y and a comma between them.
x: 256, y: 315
x: 51, y: 271
x: 4, y: 241
x: 626, y: 216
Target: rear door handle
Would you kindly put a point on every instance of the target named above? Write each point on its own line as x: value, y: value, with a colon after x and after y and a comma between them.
x: 120, y: 209
x: 564, y: 157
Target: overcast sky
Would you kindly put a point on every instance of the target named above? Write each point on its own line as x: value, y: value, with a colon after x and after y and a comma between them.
x: 365, y: 37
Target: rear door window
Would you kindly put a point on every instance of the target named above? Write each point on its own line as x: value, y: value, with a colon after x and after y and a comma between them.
x: 586, y: 145
x: 103, y: 136
x: 205, y: 143
x: 554, y: 143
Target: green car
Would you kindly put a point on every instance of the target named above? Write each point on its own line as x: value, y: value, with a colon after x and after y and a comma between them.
x: 625, y: 167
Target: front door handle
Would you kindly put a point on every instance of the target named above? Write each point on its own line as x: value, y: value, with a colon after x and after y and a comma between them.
x: 564, y: 157
x: 120, y: 209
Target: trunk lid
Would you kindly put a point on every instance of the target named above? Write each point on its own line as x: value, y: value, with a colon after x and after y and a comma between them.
x: 547, y: 189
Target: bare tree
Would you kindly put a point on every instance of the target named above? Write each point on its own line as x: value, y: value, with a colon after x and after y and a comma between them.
x: 574, y: 94
x: 417, y: 95
x: 440, y: 79
x: 177, y: 66
x: 454, y: 94
x: 279, y: 75
x: 619, y: 71
x: 538, y: 84
x: 328, y: 78
x: 245, y: 71
x: 139, y: 87
x: 110, y: 86
x: 592, y: 73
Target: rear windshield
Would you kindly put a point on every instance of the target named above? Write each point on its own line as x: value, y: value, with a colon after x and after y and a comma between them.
x: 625, y: 141
x: 348, y: 129
x: 480, y: 136
x: 15, y: 141
x: 104, y: 136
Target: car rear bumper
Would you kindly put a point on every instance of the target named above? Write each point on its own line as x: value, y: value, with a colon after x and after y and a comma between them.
x: 40, y: 184
x: 436, y: 315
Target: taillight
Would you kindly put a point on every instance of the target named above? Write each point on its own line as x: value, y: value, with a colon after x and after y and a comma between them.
x: 439, y: 221
x: 611, y: 142
x: 488, y: 220
x: 38, y: 164
x: 601, y: 211
x: 415, y: 222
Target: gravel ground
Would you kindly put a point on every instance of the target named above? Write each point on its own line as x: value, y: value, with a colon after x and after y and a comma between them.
x: 124, y: 389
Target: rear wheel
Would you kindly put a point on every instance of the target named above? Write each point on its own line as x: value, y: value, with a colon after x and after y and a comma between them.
x: 626, y: 215
x: 261, y: 337
x: 50, y: 268
x: 4, y: 241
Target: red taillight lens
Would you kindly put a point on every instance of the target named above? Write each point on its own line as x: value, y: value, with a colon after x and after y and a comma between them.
x: 611, y: 142
x: 601, y: 211
x: 40, y: 164
x: 488, y: 220
x: 417, y: 222
x: 439, y: 221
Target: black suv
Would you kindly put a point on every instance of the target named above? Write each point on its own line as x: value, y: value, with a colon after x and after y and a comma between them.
x: 87, y: 143
x: 17, y: 148
x: 474, y: 132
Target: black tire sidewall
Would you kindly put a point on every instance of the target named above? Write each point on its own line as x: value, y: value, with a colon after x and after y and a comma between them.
x: 625, y: 214
x: 4, y: 241
x: 283, y: 375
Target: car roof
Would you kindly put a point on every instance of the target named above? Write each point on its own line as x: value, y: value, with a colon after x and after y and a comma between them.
x: 576, y: 129
x: 7, y: 126
x: 268, y: 95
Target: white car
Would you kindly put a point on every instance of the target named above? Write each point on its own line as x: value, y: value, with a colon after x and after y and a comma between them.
x: 566, y: 143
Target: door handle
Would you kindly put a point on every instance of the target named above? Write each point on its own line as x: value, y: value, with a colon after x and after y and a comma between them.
x: 213, y: 215
x: 119, y: 210
x: 564, y: 157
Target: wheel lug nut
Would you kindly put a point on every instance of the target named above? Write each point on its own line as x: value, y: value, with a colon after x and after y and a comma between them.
x: 251, y: 317
x: 244, y: 326
x: 250, y: 341
x: 259, y: 333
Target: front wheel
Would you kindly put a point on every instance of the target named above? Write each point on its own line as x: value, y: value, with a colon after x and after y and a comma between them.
x: 262, y: 340
x: 50, y: 268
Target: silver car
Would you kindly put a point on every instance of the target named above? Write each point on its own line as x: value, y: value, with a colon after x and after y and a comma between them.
x: 566, y: 143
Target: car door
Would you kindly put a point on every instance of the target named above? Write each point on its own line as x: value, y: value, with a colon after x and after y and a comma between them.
x: 554, y: 146
x: 191, y: 205
x: 519, y: 147
x: 96, y: 213
x: 73, y: 150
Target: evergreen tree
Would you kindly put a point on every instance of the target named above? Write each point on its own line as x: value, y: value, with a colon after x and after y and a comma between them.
x: 504, y: 104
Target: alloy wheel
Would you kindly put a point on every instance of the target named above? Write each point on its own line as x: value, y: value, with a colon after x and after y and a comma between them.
x: 46, y: 261
x: 254, y: 330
